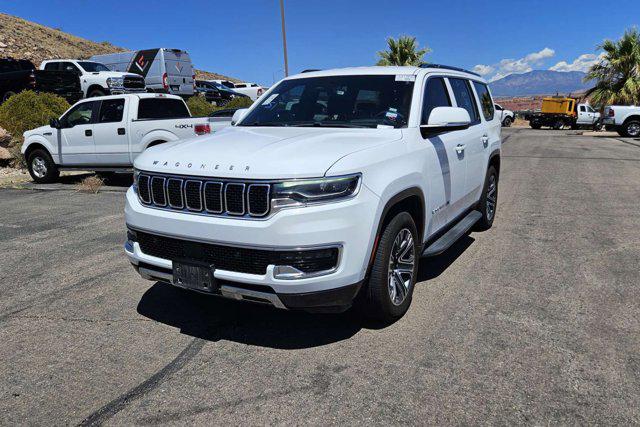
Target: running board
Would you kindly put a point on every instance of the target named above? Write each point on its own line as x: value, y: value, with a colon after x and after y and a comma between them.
x: 451, y: 236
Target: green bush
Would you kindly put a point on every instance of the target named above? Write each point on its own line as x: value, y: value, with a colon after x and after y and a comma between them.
x: 28, y: 110
x: 199, y: 106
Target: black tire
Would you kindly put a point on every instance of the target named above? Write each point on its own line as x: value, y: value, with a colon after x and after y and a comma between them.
x: 620, y: 131
x: 557, y: 125
x: 377, y: 300
x: 535, y: 125
x: 7, y: 95
x: 631, y: 129
x: 41, y: 167
x: 96, y: 92
x: 488, y: 201
x: 506, y: 122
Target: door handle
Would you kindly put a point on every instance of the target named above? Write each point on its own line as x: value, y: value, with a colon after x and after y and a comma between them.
x: 121, y: 131
x: 88, y: 132
x: 460, y: 148
x: 485, y: 140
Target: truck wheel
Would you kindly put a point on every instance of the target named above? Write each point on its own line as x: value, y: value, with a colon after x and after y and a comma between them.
x: 631, y: 128
x: 7, y: 95
x: 535, y: 125
x: 558, y: 124
x: 41, y: 167
x: 506, y: 122
x: 394, y: 273
x: 489, y: 200
x: 96, y: 92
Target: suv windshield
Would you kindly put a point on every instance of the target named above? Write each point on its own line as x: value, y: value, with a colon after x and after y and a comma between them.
x: 92, y: 67
x: 335, y: 101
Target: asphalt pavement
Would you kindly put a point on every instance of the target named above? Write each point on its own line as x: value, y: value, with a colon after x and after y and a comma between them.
x: 535, y: 321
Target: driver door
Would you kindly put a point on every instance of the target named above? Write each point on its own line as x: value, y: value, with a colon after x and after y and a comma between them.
x: 76, y: 141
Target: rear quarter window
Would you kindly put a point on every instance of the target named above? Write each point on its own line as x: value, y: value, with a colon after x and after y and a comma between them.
x: 162, y: 108
x: 486, y: 103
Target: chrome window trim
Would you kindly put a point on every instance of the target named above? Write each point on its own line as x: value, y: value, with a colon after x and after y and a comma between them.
x: 164, y: 190
x: 249, y: 199
x: 180, y: 192
x: 186, y: 201
x: 230, y: 212
x: 220, y: 193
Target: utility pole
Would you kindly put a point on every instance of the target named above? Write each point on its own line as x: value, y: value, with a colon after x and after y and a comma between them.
x: 284, y: 40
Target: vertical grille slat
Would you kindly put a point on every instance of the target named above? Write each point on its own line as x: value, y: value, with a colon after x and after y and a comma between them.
x: 193, y: 195
x: 174, y: 193
x: 202, y: 195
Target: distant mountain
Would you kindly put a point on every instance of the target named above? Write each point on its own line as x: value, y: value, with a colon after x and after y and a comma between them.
x: 540, y: 82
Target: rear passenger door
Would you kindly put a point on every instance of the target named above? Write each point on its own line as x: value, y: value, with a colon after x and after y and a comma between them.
x: 490, y: 138
x: 111, y: 139
x: 472, y: 145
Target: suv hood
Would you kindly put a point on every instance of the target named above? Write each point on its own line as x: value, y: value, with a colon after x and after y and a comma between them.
x: 262, y: 153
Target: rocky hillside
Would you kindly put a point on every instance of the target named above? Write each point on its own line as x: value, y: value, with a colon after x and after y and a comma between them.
x: 540, y: 82
x: 22, y: 39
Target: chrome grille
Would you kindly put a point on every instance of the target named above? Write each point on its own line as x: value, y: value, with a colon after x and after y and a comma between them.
x: 201, y: 195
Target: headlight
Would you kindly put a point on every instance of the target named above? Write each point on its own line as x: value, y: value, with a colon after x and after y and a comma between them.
x: 115, y: 81
x: 136, y: 173
x: 305, y: 191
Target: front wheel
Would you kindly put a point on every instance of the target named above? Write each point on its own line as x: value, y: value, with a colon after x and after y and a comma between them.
x: 506, y: 122
x: 394, y: 272
x: 96, y: 92
x: 41, y: 167
x: 558, y: 124
x: 489, y: 200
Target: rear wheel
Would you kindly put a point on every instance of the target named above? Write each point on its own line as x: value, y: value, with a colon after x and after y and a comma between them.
x: 41, y: 167
x: 489, y: 200
x: 394, y: 273
x: 631, y: 128
x: 506, y: 122
x: 535, y: 125
x: 7, y: 95
x: 558, y: 124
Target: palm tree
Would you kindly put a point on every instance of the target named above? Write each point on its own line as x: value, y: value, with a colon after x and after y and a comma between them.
x: 618, y: 72
x: 403, y: 51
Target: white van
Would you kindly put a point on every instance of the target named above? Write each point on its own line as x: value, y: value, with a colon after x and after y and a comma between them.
x: 164, y: 70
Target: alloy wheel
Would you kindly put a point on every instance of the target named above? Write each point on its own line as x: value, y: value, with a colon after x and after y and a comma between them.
x: 633, y: 129
x: 401, y: 266
x: 492, y: 197
x: 39, y: 167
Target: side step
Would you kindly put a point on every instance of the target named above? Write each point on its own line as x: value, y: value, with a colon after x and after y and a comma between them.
x: 450, y: 237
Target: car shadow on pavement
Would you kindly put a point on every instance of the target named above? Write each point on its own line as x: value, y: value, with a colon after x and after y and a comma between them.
x: 432, y: 267
x: 212, y: 318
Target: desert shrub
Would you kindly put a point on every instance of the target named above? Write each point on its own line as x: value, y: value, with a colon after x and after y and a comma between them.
x: 237, y: 103
x: 17, y: 159
x: 90, y: 184
x: 28, y: 110
x: 199, y: 106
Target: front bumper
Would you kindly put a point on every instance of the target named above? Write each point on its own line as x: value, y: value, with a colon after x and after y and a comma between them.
x: 349, y: 224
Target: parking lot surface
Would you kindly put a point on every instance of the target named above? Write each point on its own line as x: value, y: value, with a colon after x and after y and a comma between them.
x: 535, y: 321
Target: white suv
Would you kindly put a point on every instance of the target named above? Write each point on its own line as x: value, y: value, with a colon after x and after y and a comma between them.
x: 326, y: 191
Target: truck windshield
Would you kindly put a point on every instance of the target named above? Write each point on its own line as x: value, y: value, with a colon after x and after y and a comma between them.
x: 335, y: 101
x: 92, y: 67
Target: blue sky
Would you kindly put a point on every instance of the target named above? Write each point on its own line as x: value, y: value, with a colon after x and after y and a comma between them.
x: 242, y: 38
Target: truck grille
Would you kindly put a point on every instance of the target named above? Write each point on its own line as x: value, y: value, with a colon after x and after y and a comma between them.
x: 133, y: 83
x: 205, y: 196
x: 237, y: 259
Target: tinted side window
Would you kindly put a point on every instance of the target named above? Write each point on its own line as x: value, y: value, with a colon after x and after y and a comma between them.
x: 464, y: 98
x: 111, y: 111
x: 485, y: 100
x: 68, y: 66
x: 582, y: 109
x: 435, y: 95
x: 51, y: 66
x: 162, y: 108
x: 79, y: 115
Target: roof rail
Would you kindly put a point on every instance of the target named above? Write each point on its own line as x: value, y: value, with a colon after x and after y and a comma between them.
x: 310, y: 70
x: 448, y: 67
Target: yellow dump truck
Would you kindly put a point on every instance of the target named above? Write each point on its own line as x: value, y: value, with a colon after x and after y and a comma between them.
x: 558, y: 112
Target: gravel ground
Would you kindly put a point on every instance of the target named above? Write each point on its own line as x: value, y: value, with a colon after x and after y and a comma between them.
x: 535, y: 321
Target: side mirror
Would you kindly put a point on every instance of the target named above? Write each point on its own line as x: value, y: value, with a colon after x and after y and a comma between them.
x: 55, y: 123
x: 238, y: 115
x: 445, y: 119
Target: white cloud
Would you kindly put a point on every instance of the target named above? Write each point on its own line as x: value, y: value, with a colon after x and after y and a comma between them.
x: 483, y: 70
x: 581, y: 63
x: 511, y: 66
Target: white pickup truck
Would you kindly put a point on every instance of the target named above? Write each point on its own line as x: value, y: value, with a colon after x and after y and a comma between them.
x: 506, y: 116
x: 96, y: 79
x: 623, y: 119
x: 252, y: 90
x: 107, y: 133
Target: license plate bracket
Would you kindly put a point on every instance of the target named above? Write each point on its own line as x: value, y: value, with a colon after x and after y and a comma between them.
x: 193, y: 275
